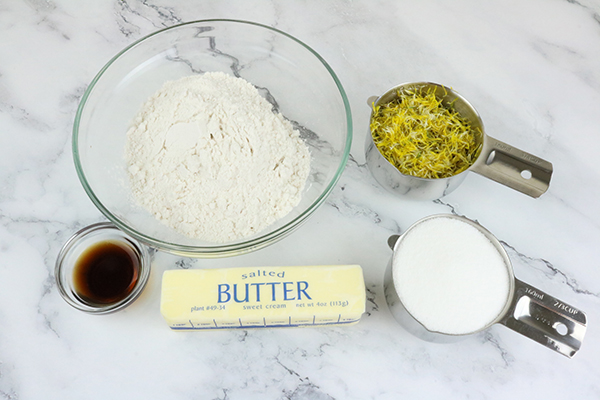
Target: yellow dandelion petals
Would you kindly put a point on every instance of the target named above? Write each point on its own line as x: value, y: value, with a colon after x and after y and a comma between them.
x: 422, y: 137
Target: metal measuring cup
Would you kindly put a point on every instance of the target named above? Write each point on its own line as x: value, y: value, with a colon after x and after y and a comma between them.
x: 498, y: 161
x: 528, y: 310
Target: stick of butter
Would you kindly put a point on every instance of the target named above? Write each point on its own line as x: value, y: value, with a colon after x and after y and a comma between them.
x: 262, y: 297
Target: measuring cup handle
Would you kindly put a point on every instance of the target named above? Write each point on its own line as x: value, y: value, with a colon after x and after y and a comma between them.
x: 513, y: 167
x: 545, y: 319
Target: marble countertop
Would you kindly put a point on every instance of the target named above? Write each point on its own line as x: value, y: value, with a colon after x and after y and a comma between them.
x: 532, y: 70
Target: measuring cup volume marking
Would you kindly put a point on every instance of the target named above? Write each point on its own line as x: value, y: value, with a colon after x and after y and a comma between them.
x: 498, y: 161
x: 528, y: 310
x: 545, y: 319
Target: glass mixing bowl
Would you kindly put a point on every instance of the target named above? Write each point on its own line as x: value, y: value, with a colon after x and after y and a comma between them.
x: 288, y: 73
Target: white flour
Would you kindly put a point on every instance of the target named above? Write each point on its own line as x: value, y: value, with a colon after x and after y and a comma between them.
x: 209, y: 158
x: 450, y: 277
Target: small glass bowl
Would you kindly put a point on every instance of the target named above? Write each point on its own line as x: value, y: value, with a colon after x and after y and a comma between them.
x: 77, y: 245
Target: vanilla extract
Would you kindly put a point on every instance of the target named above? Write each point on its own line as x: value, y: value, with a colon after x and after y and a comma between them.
x: 106, y: 272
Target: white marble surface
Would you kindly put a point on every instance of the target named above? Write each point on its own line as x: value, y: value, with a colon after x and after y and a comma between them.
x: 531, y: 68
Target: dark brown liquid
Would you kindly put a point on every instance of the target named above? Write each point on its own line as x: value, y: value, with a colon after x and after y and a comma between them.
x: 106, y: 272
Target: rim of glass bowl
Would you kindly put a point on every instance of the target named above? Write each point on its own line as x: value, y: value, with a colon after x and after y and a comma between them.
x: 226, y: 249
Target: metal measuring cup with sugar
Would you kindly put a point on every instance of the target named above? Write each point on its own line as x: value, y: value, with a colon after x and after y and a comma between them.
x: 498, y: 161
x: 528, y: 310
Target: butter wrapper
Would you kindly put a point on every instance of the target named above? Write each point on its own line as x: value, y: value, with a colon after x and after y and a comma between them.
x: 263, y: 297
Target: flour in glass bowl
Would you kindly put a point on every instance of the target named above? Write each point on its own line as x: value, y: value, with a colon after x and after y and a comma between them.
x: 208, y: 157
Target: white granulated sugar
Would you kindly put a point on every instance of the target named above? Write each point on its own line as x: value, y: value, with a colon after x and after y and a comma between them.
x: 209, y: 158
x: 450, y: 277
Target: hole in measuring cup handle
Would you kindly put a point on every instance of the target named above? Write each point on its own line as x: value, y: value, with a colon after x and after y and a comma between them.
x: 526, y: 174
x: 560, y: 328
